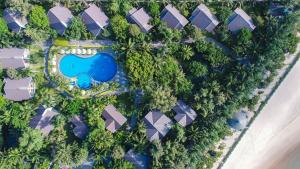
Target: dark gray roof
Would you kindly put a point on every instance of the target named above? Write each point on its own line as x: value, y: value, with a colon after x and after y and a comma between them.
x: 95, y: 19
x: 113, y: 119
x: 141, y: 18
x: 15, y: 21
x: 138, y: 160
x: 173, y: 18
x: 185, y: 115
x: 42, y: 120
x: 238, y: 20
x: 158, y: 125
x: 239, y: 120
x: 13, y: 58
x: 203, y: 18
x: 81, y: 129
x: 19, y: 90
x: 59, y: 18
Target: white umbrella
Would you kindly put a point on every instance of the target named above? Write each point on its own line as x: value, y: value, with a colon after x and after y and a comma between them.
x: 73, y: 51
x: 53, y: 62
x: 67, y: 51
x: 62, y: 51
x: 83, y: 51
x: 79, y: 51
x: 94, y: 51
x: 89, y: 51
x: 54, y: 70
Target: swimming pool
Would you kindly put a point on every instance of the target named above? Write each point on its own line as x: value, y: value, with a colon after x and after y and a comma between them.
x: 100, y: 67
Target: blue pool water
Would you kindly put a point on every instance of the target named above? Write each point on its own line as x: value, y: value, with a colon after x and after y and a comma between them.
x: 100, y: 67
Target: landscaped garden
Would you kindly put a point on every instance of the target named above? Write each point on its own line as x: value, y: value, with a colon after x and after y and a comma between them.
x: 137, y: 70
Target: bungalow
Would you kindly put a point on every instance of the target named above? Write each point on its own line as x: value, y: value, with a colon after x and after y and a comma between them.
x: 138, y: 160
x: 113, y: 119
x: 19, y: 90
x: 185, y: 115
x: 95, y: 19
x: 42, y: 120
x: 203, y: 18
x: 173, y: 18
x: 158, y: 125
x: 81, y: 129
x: 14, y: 58
x: 59, y: 18
x: 141, y: 18
x: 14, y: 20
x: 239, y: 120
x: 238, y: 20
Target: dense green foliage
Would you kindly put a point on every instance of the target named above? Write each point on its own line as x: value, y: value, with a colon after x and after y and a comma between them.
x: 215, y: 74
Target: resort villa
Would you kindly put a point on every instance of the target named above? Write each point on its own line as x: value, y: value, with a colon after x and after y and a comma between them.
x: 141, y: 18
x: 158, y: 125
x: 204, y: 19
x: 80, y: 129
x: 113, y: 119
x: 172, y: 17
x: 14, y: 58
x: 238, y: 20
x: 19, y: 90
x: 15, y: 21
x: 59, y: 18
x: 185, y: 115
x: 42, y: 120
x: 95, y: 19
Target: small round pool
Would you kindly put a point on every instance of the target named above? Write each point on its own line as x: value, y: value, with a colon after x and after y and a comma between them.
x: 84, y: 81
x: 100, y: 67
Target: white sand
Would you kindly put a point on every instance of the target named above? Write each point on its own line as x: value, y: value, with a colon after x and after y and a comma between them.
x: 275, y: 133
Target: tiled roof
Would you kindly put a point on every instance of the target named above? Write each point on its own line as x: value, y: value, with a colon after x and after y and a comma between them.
x: 158, y: 125
x: 15, y: 21
x: 59, y: 18
x: 138, y: 160
x: 13, y: 58
x: 81, y: 129
x: 173, y: 18
x: 203, y: 18
x: 42, y: 120
x: 141, y: 18
x: 185, y: 115
x: 239, y: 120
x: 114, y: 119
x: 19, y: 90
x: 95, y: 19
x: 238, y: 20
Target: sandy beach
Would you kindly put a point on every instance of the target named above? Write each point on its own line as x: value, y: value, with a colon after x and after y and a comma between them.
x: 273, y: 139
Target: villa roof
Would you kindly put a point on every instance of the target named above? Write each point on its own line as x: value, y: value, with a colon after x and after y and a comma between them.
x: 13, y: 58
x: 173, y: 18
x: 59, y: 17
x: 95, y: 19
x: 138, y: 160
x: 239, y: 120
x: 141, y: 18
x: 185, y: 115
x: 158, y: 125
x: 19, y: 90
x: 203, y: 18
x: 239, y: 19
x: 42, y: 120
x: 15, y: 21
x: 81, y: 129
x: 114, y: 119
